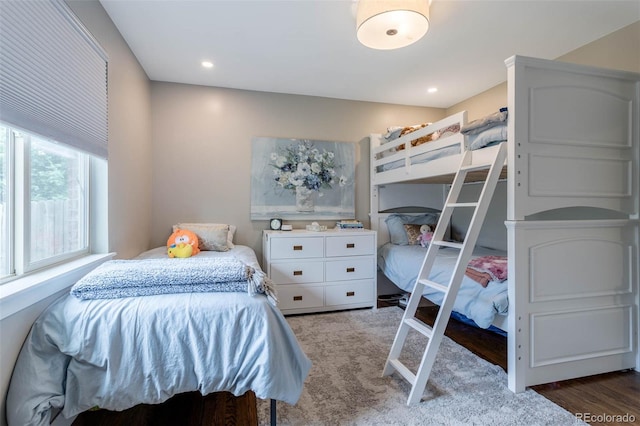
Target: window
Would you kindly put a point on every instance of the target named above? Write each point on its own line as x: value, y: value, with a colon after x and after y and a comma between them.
x: 44, y: 202
x: 53, y: 143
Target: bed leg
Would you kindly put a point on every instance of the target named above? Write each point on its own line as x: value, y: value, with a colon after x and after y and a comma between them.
x: 273, y: 412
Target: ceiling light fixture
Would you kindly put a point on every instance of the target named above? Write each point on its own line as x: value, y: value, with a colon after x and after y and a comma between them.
x: 391, y: 24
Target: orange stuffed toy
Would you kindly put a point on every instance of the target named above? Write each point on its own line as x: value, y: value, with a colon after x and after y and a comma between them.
x: 182, y: 243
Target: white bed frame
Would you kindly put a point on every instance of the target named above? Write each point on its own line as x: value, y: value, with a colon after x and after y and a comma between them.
x: 572, y: 216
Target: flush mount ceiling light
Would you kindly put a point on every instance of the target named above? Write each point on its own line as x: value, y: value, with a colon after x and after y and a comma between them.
x: 391, y: 24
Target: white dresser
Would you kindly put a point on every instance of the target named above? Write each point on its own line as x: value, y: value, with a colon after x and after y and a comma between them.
x: 321, y: 271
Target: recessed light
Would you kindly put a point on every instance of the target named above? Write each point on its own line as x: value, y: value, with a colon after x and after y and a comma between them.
x: 207, y: 64
x: 432, y: 89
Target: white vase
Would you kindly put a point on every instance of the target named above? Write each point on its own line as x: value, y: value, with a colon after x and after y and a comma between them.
x: 305, y: 199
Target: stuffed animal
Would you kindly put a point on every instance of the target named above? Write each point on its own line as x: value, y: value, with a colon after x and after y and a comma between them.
x: 425, y: 235
x: 181, y: 251
x: 182, y: 243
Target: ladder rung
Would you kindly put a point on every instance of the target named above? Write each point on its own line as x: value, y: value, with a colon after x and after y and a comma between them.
x: 418, y: 380
x: 448, y: 244
x: 419, y: 326
x: 433, y: 284
x: 404, y: 371
x: 473, y: 167
x: 463, y: 204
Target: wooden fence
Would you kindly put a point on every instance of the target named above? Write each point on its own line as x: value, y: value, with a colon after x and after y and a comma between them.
x: 57, y: 227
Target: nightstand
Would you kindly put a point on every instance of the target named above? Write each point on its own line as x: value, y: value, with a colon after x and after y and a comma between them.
x: 321, y: 271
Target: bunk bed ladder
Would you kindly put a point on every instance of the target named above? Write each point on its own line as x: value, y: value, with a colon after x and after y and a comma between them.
x: 409, y: 321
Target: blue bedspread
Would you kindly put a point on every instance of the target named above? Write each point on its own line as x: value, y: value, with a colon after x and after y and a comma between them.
x: 401, y: 264
x: 146, y: 277
x: 117, y: 353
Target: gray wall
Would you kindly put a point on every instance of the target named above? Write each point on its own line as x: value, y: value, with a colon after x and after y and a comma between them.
x: 202, y: 149
x: 619, y: 50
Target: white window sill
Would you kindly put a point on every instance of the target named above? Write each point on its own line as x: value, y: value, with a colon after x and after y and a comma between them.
x: 24, y: 292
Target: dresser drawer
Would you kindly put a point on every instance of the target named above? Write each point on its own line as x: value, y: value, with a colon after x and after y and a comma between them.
x: 349, y: 269
x: 294, y: 297
x: 297, y: 272
x: 296, y: 248
x: 350, y: 245
x: 321, y: 271
x: 349, y: 293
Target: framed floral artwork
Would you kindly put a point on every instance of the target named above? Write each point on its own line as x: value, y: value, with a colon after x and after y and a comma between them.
x: 299, y: 179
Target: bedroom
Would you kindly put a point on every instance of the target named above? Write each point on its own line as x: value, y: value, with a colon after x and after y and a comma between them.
x: 155, y: 124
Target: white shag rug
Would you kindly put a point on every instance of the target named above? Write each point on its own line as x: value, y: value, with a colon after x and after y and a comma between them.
x: 346, y: 387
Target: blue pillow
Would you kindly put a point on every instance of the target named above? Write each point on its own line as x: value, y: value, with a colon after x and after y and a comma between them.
x: 395, y: 224
x: 484, y: 138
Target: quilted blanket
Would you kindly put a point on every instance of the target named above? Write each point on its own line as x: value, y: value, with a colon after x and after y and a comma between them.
x: 494, y: 266
x: 146, y: 277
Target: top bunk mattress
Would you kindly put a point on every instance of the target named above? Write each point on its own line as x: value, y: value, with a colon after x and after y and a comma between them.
x: 422, y: 158
x: 394, y: 156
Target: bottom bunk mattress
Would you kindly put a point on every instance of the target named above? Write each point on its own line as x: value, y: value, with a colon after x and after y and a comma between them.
x: 117, y: 353
x: 401, y: 264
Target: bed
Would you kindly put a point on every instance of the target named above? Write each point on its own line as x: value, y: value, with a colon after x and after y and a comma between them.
x: 486, y: 306
x: 115, y: 353
x: 433, y: 147
x: 568, y: 214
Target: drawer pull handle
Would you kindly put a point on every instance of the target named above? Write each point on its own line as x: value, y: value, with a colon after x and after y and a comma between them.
x: 351, y: 269
x: 297, y: 248
x: 297, y: 298
x: 351, y: 245
x: 297, y: 272
x: 351, y: 293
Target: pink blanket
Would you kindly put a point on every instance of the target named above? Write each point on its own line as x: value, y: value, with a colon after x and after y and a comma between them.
x: 487, y: 268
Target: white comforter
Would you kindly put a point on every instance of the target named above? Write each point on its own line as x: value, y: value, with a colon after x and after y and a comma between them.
x: 118, y: 353
x: 401, y: 264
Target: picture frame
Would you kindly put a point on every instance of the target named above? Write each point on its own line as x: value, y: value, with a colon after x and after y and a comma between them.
x: 300, y: 179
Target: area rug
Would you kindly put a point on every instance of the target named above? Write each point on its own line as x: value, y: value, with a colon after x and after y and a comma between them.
x: 345, y: 385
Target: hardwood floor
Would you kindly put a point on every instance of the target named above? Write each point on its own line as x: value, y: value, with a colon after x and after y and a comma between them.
x: 187, y: 409
x: 598, y: 399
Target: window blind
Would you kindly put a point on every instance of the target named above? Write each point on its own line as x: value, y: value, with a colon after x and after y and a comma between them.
x: 53, y: 75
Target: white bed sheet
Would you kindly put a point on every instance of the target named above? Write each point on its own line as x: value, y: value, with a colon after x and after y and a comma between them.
x: 118, y: 353
x: 401, y: 264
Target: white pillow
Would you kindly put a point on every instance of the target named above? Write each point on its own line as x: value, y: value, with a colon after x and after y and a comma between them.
x: 209, y: 235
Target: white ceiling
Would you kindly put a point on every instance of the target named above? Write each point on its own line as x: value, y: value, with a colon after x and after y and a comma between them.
x: 309, y: 47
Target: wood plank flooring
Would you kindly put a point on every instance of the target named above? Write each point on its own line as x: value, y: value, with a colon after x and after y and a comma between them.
x: 186, y: 409
x: 594, y: 398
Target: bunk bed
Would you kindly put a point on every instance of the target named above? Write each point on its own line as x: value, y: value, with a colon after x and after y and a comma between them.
x: 571, y: 214
x: 435, y: 145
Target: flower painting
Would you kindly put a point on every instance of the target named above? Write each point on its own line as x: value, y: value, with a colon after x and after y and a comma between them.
x: 304, y: 165
x: 301, y: 179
